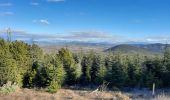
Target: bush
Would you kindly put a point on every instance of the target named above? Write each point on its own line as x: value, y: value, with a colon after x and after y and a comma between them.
x: 53, y: 87
x: 29, y: 79
x: 9, y: 87
x: 9, y: 70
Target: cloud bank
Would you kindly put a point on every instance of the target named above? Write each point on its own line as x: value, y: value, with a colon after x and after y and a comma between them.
x: 88, y: 36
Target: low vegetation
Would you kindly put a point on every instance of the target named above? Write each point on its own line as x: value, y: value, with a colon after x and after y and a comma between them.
x: 63, y: 94
x: 8, y: 88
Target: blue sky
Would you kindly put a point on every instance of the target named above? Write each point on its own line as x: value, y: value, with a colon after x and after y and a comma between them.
x: 87, y: 20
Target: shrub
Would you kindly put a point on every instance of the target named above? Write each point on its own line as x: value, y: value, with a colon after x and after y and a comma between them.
x: 29, y: 79
x: 9, y: 87
x: 9, y: 70
x: 53, y: 87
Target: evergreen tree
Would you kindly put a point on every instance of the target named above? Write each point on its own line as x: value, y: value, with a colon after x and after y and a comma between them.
x: 69, y: 65
x: 166, y: 66
x: 152, y: 72
x: 21, y: 53
x: 116, y: 76
x: 101, y: 75
x: 86, y: 67
x: 56, y: 74
x: 36, y: 53
x: 98, y: 70
x: 96, y: 63
x: 8, y: 66
x: 77, y: 59
x: 134, y: 71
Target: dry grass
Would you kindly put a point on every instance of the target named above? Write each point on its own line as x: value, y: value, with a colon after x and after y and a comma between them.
x: 68, y: 94
x: 161, y: 94
x: 63, y: 94
x: 162, y: 97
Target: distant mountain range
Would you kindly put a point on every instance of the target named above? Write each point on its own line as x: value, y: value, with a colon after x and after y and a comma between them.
x: 125, y: 47
x: 156, y: 48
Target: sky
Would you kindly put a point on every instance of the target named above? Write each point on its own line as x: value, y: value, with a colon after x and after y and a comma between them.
x: 87, y: 20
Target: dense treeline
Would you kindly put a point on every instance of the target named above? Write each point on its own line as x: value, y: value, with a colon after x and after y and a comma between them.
x: 28, y: 66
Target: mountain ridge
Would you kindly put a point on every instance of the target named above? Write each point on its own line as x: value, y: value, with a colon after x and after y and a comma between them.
x: 137, y: 49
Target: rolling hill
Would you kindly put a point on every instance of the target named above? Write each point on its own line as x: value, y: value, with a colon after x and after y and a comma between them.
x: 157, y: 47
x: 131, y: 49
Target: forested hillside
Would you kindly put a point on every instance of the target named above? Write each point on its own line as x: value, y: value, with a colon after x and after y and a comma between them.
x: 157, y: 47
x: 29, y: 67
x: 131, y: 49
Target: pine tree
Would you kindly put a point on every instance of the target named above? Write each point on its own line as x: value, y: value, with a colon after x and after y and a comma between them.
x: 96, y: 63
x: 21, y: 53
x: 133, y: 71
x: 56, y: 74
x: 86, y: 67
x: 101, y: 75
x: 116, y: 76
x: 8, y: 66
x: 69, y: 65
x: 98, y: 70
x: 36, y: 53
x: 152, y: 72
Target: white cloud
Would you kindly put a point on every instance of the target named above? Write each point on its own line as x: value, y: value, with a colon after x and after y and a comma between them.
x: 22, y: 39
x: 34, y: 3
x: 65, y: 37
x: 5, y: 4
x: 6, y: 13
x: 55, y: 1
x: 89, y: 34
x: 41, y: 21
x: 158, y: 39
x: 86, y: 36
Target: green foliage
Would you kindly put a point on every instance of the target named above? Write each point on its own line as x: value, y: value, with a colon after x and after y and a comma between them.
x: 95, y: 67
x: 8, y: 88
x: 153, y: 72
x: 133, y: 71
x: 53, y: 87
x: 117, y: 75
x: 41, y: 75
x: 36, y: 53
x: 131, y: 50
x: 69, y: 64
x: 9, y: 71
x: 101, y: 75
x: 167, y: 55
x: 166, y: 65
x: 28, y: 66
x: 8, y: 66
x: 86, y: 67
x: 29, y: 78
x: 98, y: 70
x: 56, y: 71
x: 21, y: 53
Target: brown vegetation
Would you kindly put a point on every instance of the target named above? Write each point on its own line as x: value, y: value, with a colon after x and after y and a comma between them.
x: 63, y: 94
